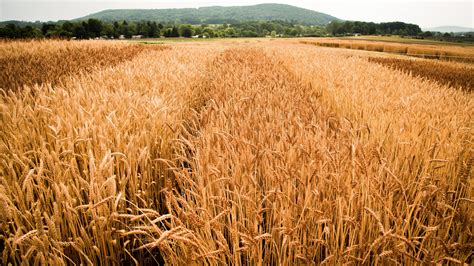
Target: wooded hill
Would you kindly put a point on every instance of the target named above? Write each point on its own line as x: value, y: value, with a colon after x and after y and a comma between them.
x: 218, y: 15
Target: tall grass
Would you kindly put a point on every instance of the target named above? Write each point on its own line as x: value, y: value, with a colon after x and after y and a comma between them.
x: 238, y: 154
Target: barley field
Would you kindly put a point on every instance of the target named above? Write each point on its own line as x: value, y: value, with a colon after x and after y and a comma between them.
x: 233, y: 152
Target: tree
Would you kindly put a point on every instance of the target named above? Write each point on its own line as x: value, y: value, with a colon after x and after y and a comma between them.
x: 94, y: 27
x: 30, y: 32
x: 208, y: 32
x: 174, y: 32
x: 351, y: 27
x: 132, y: 30
x: 67, y: 26
x: 248, y: 33
x: 167, y: 33
x: 11, y: 31
x: 116, y: 33
x: 403, y: 32
x: 142, y: 29
x: 198, y: 30
x: 66, y: 30
x: 427, y: 34
x: 153, y: 30
x: 48, y: 28
x: 124, y: 29
x: 79, y: 31
x: 333, y: 27
x: 186, y: 31
x: 108, y: 30
x: 230, y: 32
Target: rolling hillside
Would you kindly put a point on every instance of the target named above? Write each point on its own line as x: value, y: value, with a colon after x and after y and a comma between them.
x: 218, y: 14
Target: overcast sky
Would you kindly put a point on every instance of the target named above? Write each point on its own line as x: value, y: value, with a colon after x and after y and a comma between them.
x: 426, y: 13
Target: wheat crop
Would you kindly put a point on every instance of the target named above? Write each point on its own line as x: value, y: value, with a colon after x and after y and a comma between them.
x: 447, y: 52
x: 243, y: 153
x: 456, y: 75
x: 36, y: 62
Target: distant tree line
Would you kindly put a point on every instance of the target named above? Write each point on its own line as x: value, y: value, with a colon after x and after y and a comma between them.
x: 370, y: 28
x: 448, y: 37
x: 93, y: 28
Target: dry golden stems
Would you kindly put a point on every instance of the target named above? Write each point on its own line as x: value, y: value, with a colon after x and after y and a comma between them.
x: 242, y: 151
x: 36, y: 62
x: 288, y: 154
x: 445, y: 73
x: 82, y: 164
x: 287, y: 165
x: 448, y: 52
x: 420, y: 133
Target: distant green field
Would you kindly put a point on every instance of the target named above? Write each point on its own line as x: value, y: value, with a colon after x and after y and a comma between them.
x: 390, y: 39
x: 183, y: 40
x: 399, y: 39
x: 170, y: 40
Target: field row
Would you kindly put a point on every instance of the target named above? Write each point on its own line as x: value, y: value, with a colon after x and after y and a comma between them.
x: 454, y: 75
x: 29, y: 63
x: 450, y: 53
